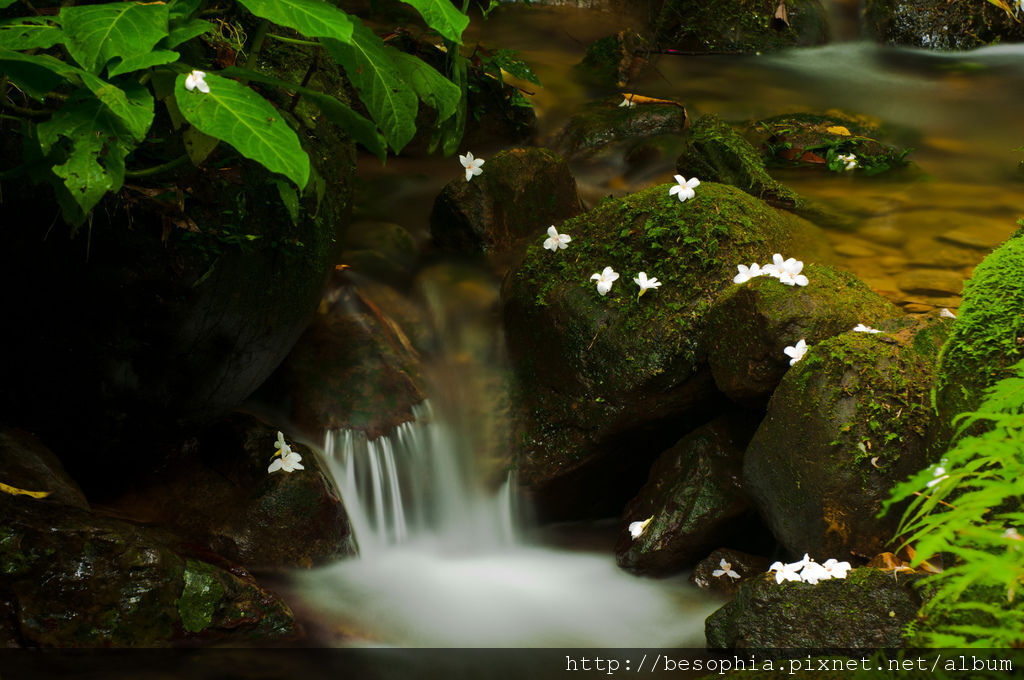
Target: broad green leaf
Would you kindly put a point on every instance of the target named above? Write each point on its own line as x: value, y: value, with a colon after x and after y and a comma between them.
x: 509, y: 61
x: 29, y: 33
x: 370, y: 67
x: 185, y: 32
x: 431, y: 87
x: 359, y: 128
x: 182, y: 9
x: 289, y: 198
x: 4, y: 4
x: 235, y: 114
x: 139, y: 62
x: 133, y: 105
x: 34, y: 80
x: 98, y: 145
x: 313, y: 18
x: 442, y: 16
x: 198, y: 145
x: 95, y: 34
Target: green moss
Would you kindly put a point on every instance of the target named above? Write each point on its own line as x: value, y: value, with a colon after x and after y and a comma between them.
x: 739, y: 26
x: 13, y: 561
x: 200, y: 597
x: 988, y: 335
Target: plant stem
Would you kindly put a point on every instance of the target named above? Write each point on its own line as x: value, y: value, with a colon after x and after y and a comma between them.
x: 158, y: 169
x: 257, y: 44
x: 295, y: 41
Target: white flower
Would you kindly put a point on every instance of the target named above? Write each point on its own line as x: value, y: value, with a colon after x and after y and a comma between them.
x: 789, y: 272
x: 1013, y: 534
x: 796, y: 352
x: 636, y: 529
x: 861, y: 328
x: 746, y: 273
x: 197, y: 81
x: 288, y: 461
x: 946, y: 314
x: 472, y: 165
x: 605, y: 280
x: 850, y: 160
x: 786, y: 572
x: 627, y: 102
x: 645, y: 283
x: 938, y: 474
x: 684, y: 188
x: 555, y: 240
x: 814, y: 572
x: 835, y: 568
x: 726, y: 570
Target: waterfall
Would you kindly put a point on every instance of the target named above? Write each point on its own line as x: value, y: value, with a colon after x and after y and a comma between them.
x: 416, y: 484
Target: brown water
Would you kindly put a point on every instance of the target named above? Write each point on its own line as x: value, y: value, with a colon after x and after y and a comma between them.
x: 915, y: 237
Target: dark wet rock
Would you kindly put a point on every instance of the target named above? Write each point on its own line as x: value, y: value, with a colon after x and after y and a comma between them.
x: 80, y: 580
x: 218, y: 493
x: 519, y: 195
x: 607, y: 383
x: 603, y: 122
x: 695, y: 497
x: 381, y: 250
x: 987, y: 337
x: 183, y: 294
x: 744, y: 565
x: 355, y: 367
x: 739, y: 26
x: 867, y: 609
x: 754, y: 321
x: 30, y: 466
x: 938, y: 24
x: 810, y: 139
x: 616, y: 59
x: 846, y: 423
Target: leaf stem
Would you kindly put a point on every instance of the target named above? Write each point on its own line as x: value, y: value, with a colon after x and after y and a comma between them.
x: 158, y: 169
x: 294, y: 41
x: 257, y: 44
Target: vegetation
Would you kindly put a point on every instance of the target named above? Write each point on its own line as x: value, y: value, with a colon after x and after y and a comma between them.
x: 83, y: 83
x: 968, y: 507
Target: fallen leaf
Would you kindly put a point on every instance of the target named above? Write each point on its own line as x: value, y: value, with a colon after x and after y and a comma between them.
x: 15, y: 491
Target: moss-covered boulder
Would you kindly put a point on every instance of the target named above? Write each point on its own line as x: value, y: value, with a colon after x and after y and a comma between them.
x: 355, y: 367
x: 938, y: 24
x: 520, y: 193
x: 808, y: 139
x: 987, y: 337
x: 70, y: 578
x: 867, y: 609
x: 606, y: 121
x: 217, y: 492
x: 846, y: 423
x: 712, y: 572
x: 754, y: 321
x: 695, y: 498
x: 608, y: 382
x: 739, y: 26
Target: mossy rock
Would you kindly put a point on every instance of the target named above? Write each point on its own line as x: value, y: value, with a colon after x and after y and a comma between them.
x: 609, y: 382
x: 694, y: 495
x: 743, y: 565
x: 987, y: 337
x: 354, y: 368
x: 753, y: 322
x: 938, y: 24
x: 739, y: 26
x: 603, y: 122
x: 519, y: 195
x: 615, y: 59
x: 217, y: 492
x: 846, y: 423
x: 867, y: 609
x: 75, y: 579
x: 813, y: 140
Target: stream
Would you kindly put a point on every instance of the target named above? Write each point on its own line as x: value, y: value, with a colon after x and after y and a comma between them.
x: 448, y: 560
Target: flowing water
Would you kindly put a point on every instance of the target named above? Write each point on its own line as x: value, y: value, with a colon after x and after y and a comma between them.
x: 444, y: 559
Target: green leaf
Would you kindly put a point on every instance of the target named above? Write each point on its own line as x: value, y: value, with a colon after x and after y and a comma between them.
x: 185, y: 32
x: 142, y: 61
x: 313, y: 18
x: 361, y: 130
x: 449, y: 134
x: 30, y: 33
x: 509, y: 60
x: 442, y: 16
x: 289, y: 198
x: 198, y: 145
x: 182, y: 9
x: 94, y: 164
x: 370, y: 67
x: 431, y: 87
x: 4, y: 4
x: 95, y: 34
x: 133, y: 105
x: 33, y: 79
x: 235, y: 114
